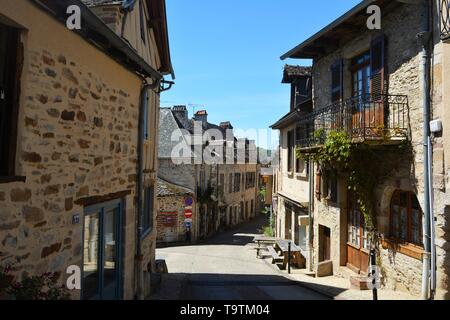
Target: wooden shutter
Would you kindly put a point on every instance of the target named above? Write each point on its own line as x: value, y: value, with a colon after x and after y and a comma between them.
x: 337, y: 81
x: 318, y: 184
x: 377, y: 67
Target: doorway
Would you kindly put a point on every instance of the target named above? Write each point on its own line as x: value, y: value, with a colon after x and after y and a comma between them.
x: 102, y: 247
x: 324, y: 244
x: 358, y: 243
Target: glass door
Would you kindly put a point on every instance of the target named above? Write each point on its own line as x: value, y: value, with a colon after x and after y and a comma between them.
x: 102, y: 252
x: 358, y: 245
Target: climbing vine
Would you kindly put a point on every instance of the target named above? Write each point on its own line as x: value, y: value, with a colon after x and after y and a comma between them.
x: 365, y: 166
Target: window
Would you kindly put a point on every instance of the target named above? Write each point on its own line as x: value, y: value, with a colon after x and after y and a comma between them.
x: 298, y: 161
x: 250, y: 180
x: 237, y: 182
x: 11, y: 61
x: 290, y: 147
x: 337, y: 87
x: 333, y: 187
x: 330, y: 186
x: 377, y: 62
x: 222, y: 183
x: 147, y: 219
x: 230, y: 183
x: 406, y: 218
x: 361, y: 75
x: 142, y: 19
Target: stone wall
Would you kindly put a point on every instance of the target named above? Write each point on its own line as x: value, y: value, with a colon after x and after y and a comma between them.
x: 173, y: 203
x: 77, y: 139
x: 403, y: 69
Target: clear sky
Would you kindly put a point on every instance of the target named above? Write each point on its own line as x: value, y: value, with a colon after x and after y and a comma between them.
x: 226, y: 54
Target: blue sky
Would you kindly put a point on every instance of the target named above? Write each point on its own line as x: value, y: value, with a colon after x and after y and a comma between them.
x: 226, y: 54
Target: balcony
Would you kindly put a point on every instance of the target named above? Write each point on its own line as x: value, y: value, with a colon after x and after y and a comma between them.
x: 444, y: 17
x: 380, y: 119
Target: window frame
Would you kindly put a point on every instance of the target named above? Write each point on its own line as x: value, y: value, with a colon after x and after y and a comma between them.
x: 409, y: 235
x: 14, y: 60
x: 290, y: 149
x: 148, y: 211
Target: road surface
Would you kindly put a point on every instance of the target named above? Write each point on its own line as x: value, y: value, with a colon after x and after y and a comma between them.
x: 226, y: 268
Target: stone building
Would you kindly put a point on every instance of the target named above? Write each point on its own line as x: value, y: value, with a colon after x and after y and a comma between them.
x: 72, y: 144
x: 184, y: 145
x: 175, y: 213
x: 369, y: 84
x: 291, y: 199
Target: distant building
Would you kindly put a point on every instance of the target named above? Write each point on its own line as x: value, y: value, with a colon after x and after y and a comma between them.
x: 175, y: 210
x: 224, y: 194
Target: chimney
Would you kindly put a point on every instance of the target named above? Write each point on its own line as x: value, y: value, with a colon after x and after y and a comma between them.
x: 202, y: 116
x: 226, y: 125
x: 181, y: 113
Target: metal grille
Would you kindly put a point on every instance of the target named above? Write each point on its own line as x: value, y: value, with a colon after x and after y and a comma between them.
x: 366, y: 117
x: 444, y: 13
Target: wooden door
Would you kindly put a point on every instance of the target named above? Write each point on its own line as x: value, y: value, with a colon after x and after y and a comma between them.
x: 358, y: 244
x: 368, y: 78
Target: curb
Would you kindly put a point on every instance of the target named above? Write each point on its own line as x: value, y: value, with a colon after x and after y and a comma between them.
x: 307, y: 285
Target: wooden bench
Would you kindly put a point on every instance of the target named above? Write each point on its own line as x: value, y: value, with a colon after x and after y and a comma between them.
x: 262, y: 241
x: 275, y: 257
x: 296, y: 257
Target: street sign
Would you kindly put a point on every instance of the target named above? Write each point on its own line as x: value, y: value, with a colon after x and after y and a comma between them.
x: 188, y: 215
x: 187, y: 220
x: 188, y: 202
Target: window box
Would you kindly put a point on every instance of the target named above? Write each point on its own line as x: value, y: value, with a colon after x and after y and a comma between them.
x: 402, y: 247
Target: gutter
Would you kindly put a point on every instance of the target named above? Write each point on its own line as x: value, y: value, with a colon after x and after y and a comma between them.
x: 329, y: 27
x: 139, y: 189
x: 98, y: 33
x: 424, y: 38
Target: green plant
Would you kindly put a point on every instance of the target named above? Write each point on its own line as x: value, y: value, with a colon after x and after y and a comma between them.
x: 268, y: 231
x: 262, y: 193
x: 365, y: 166
x: 43, y: 287
x: 206, y: 196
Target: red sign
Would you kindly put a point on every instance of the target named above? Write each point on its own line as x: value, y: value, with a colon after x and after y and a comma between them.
x: 170, y: 221
x: 188, y: 215
x: 169, y: 213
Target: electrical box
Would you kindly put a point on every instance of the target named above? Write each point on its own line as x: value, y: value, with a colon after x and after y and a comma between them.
x: 436, y: 126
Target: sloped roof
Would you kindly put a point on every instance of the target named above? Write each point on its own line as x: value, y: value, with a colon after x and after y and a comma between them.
x: 93, y: 3
x: 168, y: 124
x: 166, y: 189
x: 339, y: 31
x: 291, y: 73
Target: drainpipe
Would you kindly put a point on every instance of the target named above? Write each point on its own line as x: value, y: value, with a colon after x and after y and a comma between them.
x: 424, y: 38
x: 139, y: 186
x: 310, y: 213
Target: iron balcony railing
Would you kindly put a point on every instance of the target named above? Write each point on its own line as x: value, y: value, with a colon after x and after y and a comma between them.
x: 444, y: 17
x: 367, y: 117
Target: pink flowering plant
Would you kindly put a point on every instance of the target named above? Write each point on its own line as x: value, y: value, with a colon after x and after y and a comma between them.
x: 43, y: 287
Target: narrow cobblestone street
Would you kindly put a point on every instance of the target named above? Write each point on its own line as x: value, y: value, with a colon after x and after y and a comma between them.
x: 225, y: 268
